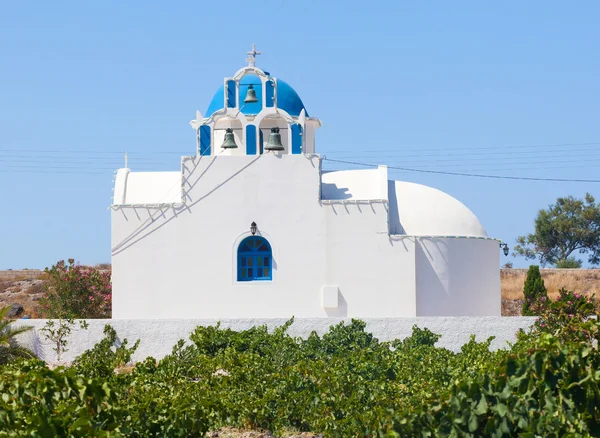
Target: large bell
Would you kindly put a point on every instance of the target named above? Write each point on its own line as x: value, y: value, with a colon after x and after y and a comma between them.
x: 250, y: 95
x: 274, y: 142
x: 229, y: 141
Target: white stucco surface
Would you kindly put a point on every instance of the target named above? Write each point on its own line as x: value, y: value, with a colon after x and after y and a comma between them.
x: 457, y: 277
x: 355, y: 184
x: 418, y: 210
x: 157, y: 337
x: 147, y: 187
x: 180, y: 260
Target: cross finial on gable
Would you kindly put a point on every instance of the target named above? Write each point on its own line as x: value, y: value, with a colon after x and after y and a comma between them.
x: 251, y: 59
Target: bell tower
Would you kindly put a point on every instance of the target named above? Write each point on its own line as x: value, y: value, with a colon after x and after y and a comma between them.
x: 253, y: 113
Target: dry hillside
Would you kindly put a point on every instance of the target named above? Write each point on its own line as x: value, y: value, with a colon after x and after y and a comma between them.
x: 584, y: 281
x: 25, y: 287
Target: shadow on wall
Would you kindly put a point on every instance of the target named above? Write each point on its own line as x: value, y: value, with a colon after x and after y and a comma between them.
x: 332, y: 191
x: 432, y: 294
x: 393, y: 215
x: 146, y: 228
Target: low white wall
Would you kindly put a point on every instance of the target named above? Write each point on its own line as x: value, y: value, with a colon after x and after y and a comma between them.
x: 157, y: 337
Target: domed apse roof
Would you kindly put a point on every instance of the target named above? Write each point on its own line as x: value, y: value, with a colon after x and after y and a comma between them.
x: 287, y: 99
x: 425, y: 211
x: 414, y: 209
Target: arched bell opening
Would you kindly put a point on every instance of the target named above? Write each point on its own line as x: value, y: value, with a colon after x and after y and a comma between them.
x: 250, y: 94
x: 274, y: 135
x: 228, y: 137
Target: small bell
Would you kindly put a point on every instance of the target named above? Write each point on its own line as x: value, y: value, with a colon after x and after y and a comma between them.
x: 229, y: 141
x: 250, y: 95
x: 274, y: 142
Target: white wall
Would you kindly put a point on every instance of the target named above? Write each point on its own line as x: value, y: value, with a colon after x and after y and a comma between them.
x: 375, y: 275
x: 152, y: 187
x: 181, y: 261
x: 157, y: 337
x: 458, y: 277
x: 355, y: 184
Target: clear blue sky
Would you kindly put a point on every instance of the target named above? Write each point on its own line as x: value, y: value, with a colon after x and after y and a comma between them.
x: 485, y: 87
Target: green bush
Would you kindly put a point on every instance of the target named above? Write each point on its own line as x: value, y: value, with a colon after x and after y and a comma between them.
x: 101, y: 361
x: 533, y: 291
x: 344, y: 383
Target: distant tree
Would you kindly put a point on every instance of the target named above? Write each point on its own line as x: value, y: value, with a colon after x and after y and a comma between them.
x: 571, y: 225
x: 533, y: 291
x: 507, y: 265
x: 569, y: 263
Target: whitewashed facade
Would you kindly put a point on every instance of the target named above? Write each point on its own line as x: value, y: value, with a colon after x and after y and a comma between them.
x: 341, y: 244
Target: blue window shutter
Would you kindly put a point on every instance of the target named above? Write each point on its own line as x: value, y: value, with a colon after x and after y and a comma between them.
x: 270, y: 94
x: 296, y: 139
x: 231, y: 94
x: 205, y: 140
x: 250, y: 140
x: 255, y: 260
x: 261, y: 141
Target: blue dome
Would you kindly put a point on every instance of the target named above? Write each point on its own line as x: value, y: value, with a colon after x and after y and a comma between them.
x: 287, y: 98
x: 217, y: 102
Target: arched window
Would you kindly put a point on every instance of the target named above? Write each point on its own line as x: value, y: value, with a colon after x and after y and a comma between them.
x: 255, y: 260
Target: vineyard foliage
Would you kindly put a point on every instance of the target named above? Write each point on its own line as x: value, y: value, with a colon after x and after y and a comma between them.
x: 345, y: 383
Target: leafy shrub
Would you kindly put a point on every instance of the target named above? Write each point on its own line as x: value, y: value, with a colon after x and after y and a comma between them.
x: 101, y: 360
x: 9, y: 348
x: 40, y: 402
x: 550, y: 390
x: 76, y: 291
x: 58, y: 332
x: 533, y: 291
x: 342, y: 384
x: 567, y: 317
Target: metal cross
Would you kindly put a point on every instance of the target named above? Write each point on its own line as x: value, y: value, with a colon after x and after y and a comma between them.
x: 251, y: 59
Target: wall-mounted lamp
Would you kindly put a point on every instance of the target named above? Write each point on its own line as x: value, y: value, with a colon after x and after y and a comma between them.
x: 504, y: 247
x: 253, y: 228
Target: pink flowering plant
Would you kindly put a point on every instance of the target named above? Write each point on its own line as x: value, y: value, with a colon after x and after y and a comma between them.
x: 567, y: 315
x: 76, y: 291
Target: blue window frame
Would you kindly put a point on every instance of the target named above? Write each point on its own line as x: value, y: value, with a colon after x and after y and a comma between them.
x: 255, y: 260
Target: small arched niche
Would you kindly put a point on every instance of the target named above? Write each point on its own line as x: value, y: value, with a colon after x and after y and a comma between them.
x: 274, y: 121
x: 219, y: 131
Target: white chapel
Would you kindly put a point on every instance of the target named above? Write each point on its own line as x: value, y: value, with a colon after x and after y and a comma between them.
x: 253, y: 227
